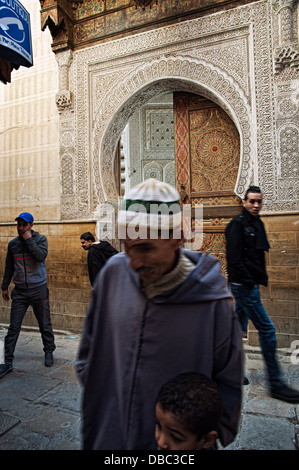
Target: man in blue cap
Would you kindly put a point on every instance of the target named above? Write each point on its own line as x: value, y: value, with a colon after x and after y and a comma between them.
x: 25, y: 264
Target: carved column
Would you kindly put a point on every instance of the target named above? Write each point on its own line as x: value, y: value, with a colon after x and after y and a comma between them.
x: 63, y: 97
x: 67, y: 136
x: 287, y: 54
x: 285, y: 13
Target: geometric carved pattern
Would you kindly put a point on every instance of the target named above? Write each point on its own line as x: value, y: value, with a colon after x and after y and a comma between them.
x: 67, y: 174
x: 153, y: 170
x: 169, y: 173
x: 289, y: 145
x: 159, y: 129
x: 130, y: 94
x: 212, y: 162
x: 286, y: 57
x: 215, y: 150
x: 112, y: 80
x: 214, y: 244
x: 160, y: 171
x: 287, y: 107
x: 182, y: 140
x: 216, y: 201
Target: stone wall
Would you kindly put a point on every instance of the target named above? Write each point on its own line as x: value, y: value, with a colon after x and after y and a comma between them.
x: 70, y: 289
x: 68, y: 279
x: 29, y: 127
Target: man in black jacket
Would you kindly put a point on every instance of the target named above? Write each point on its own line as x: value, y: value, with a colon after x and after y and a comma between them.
x: 98, y: 253
x: 25, y: 264
x: 246, y: 242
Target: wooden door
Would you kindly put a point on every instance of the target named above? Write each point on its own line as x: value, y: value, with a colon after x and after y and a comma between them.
x: 207, y: 163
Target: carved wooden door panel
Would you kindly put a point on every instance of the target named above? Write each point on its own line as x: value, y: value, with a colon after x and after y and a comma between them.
x: 207, y: 163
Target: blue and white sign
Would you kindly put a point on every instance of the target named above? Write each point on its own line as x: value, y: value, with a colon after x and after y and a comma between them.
x: 15, y: 33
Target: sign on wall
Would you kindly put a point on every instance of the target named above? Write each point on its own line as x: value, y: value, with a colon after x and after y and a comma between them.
x: 15, y: 33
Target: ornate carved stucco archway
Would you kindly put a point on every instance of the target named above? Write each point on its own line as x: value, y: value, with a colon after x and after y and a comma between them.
x: 226, y: 58
x: 163, y: 75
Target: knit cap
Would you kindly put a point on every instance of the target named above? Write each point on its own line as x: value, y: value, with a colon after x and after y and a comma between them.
x: 151, y: 204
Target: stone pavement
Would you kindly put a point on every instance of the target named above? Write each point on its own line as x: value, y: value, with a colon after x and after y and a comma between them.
x: 267, y: 423
x: 40, y: 406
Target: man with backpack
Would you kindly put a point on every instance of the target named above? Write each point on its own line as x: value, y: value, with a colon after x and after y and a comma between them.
x: 98, y: 253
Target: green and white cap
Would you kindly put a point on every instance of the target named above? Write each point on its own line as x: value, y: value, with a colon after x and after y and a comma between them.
x: 151, y: 204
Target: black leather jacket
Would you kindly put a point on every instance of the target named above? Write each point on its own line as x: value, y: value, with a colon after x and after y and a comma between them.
x: 98, y: 254
x: 246, y: 242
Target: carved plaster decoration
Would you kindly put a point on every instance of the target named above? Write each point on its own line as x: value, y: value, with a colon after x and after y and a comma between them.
x: 284, y: 9
x: 159, y: 130
x: 153, y: 170
x: 287, y: 97
x: 287, y: 118
x: 112, y: 80
x: 64, y: 96
x: 287, y: 54
x: 162, y: 75
x: 169, y: 173
x: 67, y: 128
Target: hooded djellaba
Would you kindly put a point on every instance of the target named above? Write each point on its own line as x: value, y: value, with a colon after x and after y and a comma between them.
x: 139, y: 334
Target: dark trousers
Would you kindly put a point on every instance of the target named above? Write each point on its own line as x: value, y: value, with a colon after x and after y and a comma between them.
x: 249, y: 305
x: 38, y: 299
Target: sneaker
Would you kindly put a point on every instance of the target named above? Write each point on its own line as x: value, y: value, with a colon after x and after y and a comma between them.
x: 245, y: 381
x: 285, y: 393
x: 49, y: 360
x: 5, y: 369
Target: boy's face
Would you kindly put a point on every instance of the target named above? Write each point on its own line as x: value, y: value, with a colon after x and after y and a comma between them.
x: 170, y: 434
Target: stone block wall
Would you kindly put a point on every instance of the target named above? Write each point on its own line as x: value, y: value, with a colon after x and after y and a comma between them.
x: 281, y: 297
x: 67, y: 272
x: 70, y: 288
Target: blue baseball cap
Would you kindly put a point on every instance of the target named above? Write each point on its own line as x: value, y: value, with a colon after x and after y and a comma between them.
x: 25, y: 216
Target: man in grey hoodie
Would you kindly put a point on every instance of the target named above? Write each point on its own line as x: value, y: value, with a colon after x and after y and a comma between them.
x: 157, y: 310
x: 25, y: 264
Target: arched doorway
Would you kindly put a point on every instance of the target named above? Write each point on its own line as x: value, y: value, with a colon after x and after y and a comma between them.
x: 205, y: 146
x: 207, y: 163
x: 147, y: 145
x: 164, y: 75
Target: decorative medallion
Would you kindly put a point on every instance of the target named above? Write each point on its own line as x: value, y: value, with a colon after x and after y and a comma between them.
x: 215, y: 151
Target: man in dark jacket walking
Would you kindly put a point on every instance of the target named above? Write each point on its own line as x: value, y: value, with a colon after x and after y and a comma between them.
x: 98, y: 254
x: 25, y: 264
x: 246, y: 242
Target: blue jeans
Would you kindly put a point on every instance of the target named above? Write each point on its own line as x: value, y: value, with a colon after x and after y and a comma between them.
x: 249, y: 306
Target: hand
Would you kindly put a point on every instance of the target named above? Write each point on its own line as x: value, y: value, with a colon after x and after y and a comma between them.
x: 5, y: 295
x: 27, y: 234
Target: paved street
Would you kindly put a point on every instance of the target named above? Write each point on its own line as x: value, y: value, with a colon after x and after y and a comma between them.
x: 40, y: 406
x: 266, y: 423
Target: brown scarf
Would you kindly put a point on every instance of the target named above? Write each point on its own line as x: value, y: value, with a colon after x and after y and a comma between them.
x: 182, y: 269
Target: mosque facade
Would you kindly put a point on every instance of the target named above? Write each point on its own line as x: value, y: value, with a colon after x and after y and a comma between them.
x: 201, y: 94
